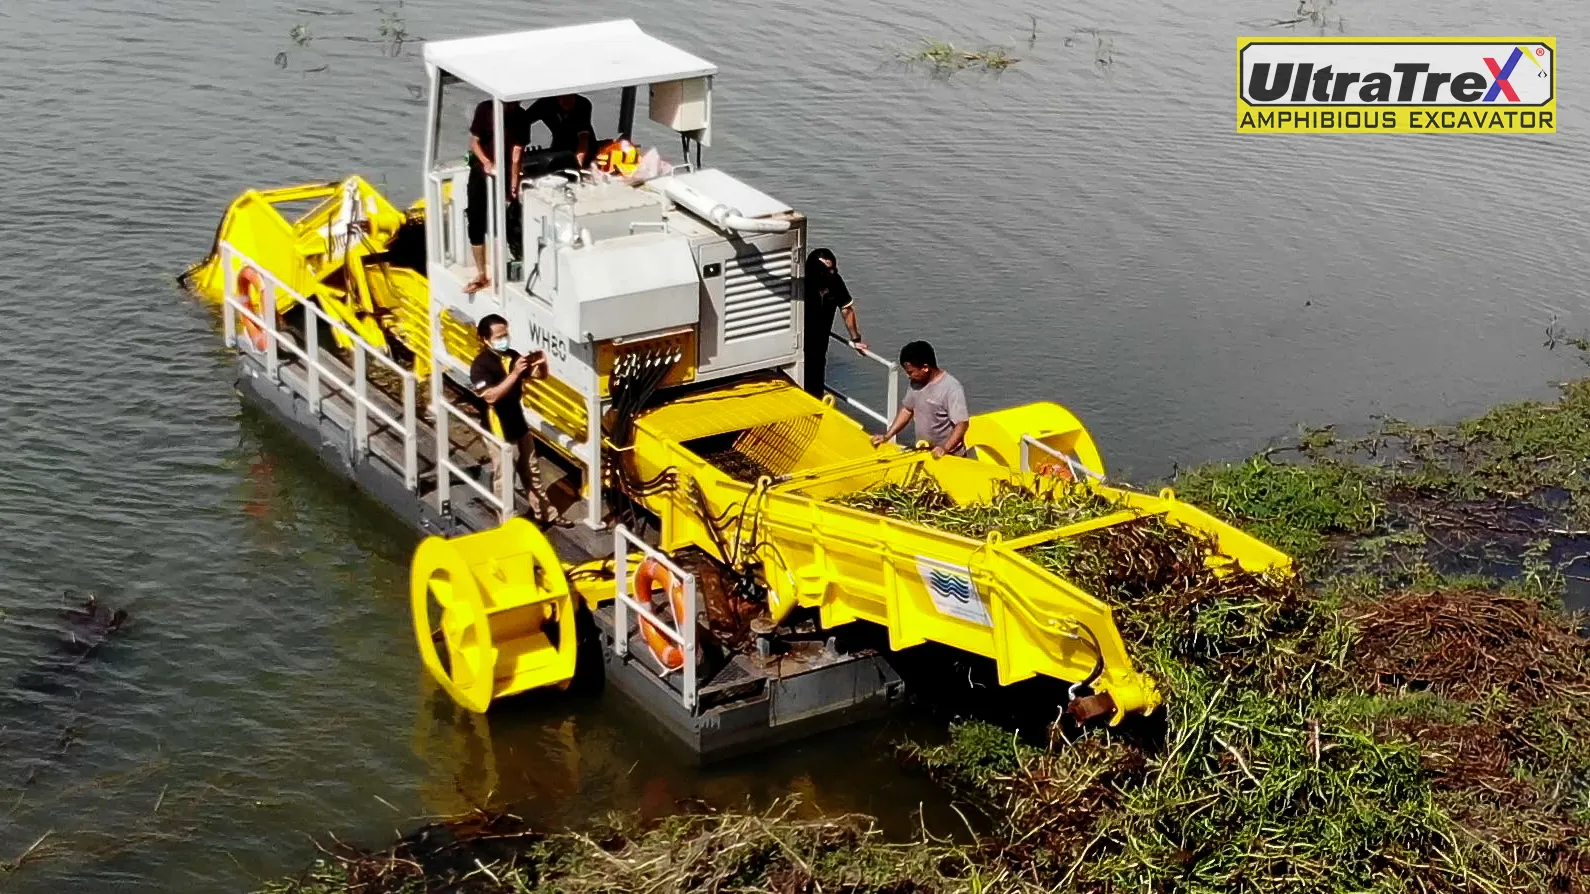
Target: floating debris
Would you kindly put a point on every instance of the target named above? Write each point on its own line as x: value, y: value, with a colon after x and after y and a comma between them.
x: 945, y: 58
x: 777, y: 851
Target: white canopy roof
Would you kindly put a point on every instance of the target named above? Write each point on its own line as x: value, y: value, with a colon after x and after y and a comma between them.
x: 572, y: 59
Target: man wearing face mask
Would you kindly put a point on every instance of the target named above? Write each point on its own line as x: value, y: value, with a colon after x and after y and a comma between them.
x: 497, y: 376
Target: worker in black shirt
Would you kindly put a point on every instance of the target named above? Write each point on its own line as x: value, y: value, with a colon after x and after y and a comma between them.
x: 482, y: 146
x: 568, y: 117
x: 825, y: 294
x: 497, y: 376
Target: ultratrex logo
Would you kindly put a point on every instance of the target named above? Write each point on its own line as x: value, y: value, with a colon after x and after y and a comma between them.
x: 1396, y: 85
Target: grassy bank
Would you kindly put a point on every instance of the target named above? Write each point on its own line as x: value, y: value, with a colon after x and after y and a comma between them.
x: 1410, y: 714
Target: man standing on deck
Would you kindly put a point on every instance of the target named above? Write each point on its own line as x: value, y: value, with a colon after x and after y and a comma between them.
x: 497, y: 376
x: 936, y: 400
x: 482, y: 164
x: 826, y: 294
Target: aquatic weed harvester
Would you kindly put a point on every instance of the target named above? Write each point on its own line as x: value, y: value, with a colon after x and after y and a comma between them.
x: 728, y: 537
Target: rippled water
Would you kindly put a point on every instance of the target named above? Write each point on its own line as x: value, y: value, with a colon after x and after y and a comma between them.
x: 1084, y: 231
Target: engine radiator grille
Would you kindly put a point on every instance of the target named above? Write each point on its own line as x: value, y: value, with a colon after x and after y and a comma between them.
x: 757, y: 291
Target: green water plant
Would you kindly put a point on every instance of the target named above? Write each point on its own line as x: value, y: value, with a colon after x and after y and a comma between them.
x: 943, y: 58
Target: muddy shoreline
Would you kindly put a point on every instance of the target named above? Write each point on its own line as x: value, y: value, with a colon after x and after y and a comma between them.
x: 1408, y: 715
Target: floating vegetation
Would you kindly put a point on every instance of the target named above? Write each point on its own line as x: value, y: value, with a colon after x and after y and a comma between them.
x: 1557, y: 334
x: 1319, y: 14
x: 774, y: 851
x: 390, y: 32
x: 944, y: 58
x: 1102, y: 44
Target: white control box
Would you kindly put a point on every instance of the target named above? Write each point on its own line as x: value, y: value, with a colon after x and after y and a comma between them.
x: 680, y: 105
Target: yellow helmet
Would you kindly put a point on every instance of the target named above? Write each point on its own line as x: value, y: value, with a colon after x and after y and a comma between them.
x: 618, y: 157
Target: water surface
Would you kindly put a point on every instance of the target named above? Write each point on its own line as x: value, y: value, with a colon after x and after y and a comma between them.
x: 1087, y: 228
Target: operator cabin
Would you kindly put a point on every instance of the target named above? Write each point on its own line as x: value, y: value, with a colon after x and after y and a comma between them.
x: 621, y: 255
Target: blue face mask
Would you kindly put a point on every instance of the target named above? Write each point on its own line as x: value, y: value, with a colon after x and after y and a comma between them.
x: 499, y: 345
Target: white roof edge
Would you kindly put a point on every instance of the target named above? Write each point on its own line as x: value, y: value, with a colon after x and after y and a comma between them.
x: 524, y: 65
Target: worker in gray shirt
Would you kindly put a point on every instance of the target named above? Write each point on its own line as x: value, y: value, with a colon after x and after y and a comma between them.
x: 936, y: 400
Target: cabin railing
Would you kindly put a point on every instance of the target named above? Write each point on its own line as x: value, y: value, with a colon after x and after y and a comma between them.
x: 256, y: 332
x: 681, y: 633
x: 892, y: 370
x: 1078, y: 470
x: 450, y: 186
x: 446, y: 470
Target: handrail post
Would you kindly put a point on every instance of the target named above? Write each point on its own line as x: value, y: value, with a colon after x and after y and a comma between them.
x: 593, y: 463
x: 361, y: 419
x: 312, y: 340
x: 444, y: 478
x: 460, y: 254
x: 621, y: 581
x: 268, y: 317
x: 894, y: 399
x: 411, y: 436
x: 228, y: 298
x: 687, y: 632
x: 1026, y: 453
x: 439, y: 410
x: 505, y: 476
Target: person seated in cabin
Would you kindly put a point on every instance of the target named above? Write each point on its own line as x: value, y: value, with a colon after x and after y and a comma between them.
x: 936, y: 400
x: 497, y: 376
x: 568, y: 117
x: 482, y: 165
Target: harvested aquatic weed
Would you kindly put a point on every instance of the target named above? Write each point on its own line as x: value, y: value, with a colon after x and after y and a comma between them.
x: 1014, y: 511
x: 1122, y: 562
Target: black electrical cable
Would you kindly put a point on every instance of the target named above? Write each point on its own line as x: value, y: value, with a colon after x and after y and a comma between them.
x: 621, y: 389
x: 635, y: 378
x: 705, y: 512
x: 637, y: 393
x: 1098, y: 660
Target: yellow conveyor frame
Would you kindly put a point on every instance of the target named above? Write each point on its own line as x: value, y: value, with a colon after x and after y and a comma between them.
x: 920, y: 583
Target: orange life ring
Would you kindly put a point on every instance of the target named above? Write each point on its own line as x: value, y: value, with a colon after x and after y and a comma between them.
x: 1058, y: 470
x: 648, y: 577
x: 250, y: 283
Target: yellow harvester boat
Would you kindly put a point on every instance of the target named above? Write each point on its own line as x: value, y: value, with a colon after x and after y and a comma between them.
x: 672, y: 423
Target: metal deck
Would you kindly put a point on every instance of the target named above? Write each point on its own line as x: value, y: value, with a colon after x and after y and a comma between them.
x: 750, y: 703
x: 380, y: 471
x: 753, y: 702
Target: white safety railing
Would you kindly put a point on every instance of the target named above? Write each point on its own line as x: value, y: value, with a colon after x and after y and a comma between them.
x: 893, y: 372
x: 682, y: 632
x: 446, y: 469
x: 316, y: 373
x: 454, y: 231
x: 1078, y: 470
